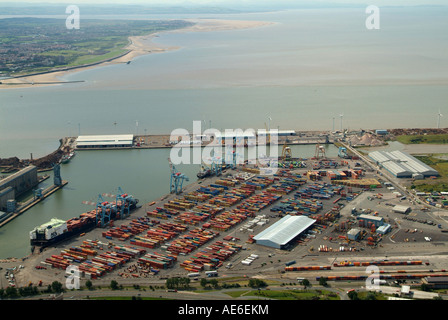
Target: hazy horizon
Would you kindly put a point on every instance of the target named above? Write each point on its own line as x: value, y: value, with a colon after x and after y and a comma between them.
x: 231, y: 3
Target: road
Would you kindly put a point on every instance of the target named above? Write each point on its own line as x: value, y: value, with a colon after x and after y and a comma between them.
x: 185, y: 295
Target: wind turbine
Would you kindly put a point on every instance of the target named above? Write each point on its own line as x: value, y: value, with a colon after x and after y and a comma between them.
x: 439, y: 115
x: 341, y: 115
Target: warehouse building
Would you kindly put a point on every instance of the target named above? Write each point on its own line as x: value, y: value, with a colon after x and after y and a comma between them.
x: 377, y: 221
x: 385, y: 228
x: 381, y: 132
x: 237, y: 136
x: 5, y: 195
x: 402, y: 164
x: 436, y: 282
x: 353, y: 234
x: 20, y: 182
x: 284, y: 231
x: 401, y: 209
x: 105, y: 141
x: 280, y: 133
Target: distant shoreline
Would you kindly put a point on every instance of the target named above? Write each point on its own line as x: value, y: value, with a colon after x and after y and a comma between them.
x: 138, y: 46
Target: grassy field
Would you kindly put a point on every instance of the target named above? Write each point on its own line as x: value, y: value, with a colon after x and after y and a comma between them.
x: 294, y: 294
x: 417, y: 139
x: 126, y: 298
x: 440, y: 163
x: 38, y: 44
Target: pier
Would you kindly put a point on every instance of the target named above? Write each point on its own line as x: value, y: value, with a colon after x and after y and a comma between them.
x: 32, y: 202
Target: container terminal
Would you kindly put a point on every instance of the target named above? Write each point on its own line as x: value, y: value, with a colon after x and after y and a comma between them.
x: 316, y: 217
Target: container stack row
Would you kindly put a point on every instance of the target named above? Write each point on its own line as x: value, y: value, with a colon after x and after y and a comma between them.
x: 192, y: 218
x: 162, y: 213
x: 179, y: 204
x: 158, y: 261
x: 103, y: 263
x: 257, y: 183
x: 298, y: 206
x: 226, y: 220
x: 259, y: 202
x: 191, y: 241
x: 212, y: 257
x: 58, y: 261
x: 208, y: 208
x: 159, y: 234
x: 318, y: 191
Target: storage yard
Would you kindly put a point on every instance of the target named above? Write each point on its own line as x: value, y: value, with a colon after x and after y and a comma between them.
x: 214, y: 224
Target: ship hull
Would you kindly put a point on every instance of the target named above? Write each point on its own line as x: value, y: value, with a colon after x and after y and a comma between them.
x: 88, y: 226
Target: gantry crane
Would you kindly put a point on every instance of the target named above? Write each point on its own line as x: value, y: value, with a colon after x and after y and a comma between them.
x: 216, y: 166
x: 286, y: 152
x: 104, y: 211
x: 126, y: 201
x: 177, y: 179
x: 319, y: 152
x: 343, y: 153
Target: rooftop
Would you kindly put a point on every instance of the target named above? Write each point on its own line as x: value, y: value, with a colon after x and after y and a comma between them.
x: 285, y: 229
x: 402, y: 163
x: 105, y: 139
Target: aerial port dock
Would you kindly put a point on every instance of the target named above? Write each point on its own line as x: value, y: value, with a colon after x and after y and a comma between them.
x: 216, y: 224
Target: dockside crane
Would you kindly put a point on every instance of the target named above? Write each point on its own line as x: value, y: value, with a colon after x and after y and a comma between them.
x: 216, y: 166
x: 126, y: 201
x: 286, y: 152
x: 319, y: 152
x: 177, y: 179
x: 343, y: 153
x: 104, y: 211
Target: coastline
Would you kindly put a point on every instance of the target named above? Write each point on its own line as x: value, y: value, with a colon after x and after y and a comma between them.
x: 138, y: 46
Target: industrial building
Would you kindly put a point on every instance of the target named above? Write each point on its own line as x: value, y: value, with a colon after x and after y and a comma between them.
x: 436, y: 282
x: 377, y: 221
x: 401, y: 209
x: 105, y: 141
x: 235, y: 136
x: 385, y: 228
x: 402, y: 165
x: 280, y: 133
x: 5, y: 195
x: 353, y: 234
x: 283, y: 231
x: 381, y: 132
x: 19, y: 182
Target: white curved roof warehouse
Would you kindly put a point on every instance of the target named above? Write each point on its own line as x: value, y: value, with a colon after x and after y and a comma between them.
x: 401, y: 164
x: 283, y: 231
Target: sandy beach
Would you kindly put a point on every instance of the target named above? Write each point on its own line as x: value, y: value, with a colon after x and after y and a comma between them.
x: 138, y: 46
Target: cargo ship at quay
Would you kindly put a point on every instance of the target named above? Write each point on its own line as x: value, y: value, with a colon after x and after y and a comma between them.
x: 57, y: 230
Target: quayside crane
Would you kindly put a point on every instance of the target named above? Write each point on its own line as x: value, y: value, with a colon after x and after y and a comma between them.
x: 177, y: 179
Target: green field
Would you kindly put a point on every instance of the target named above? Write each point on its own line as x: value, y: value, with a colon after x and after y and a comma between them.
x: 34, y: 45
x: 429, y: 138
x: 288, y: 294
x: 440, y: 163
